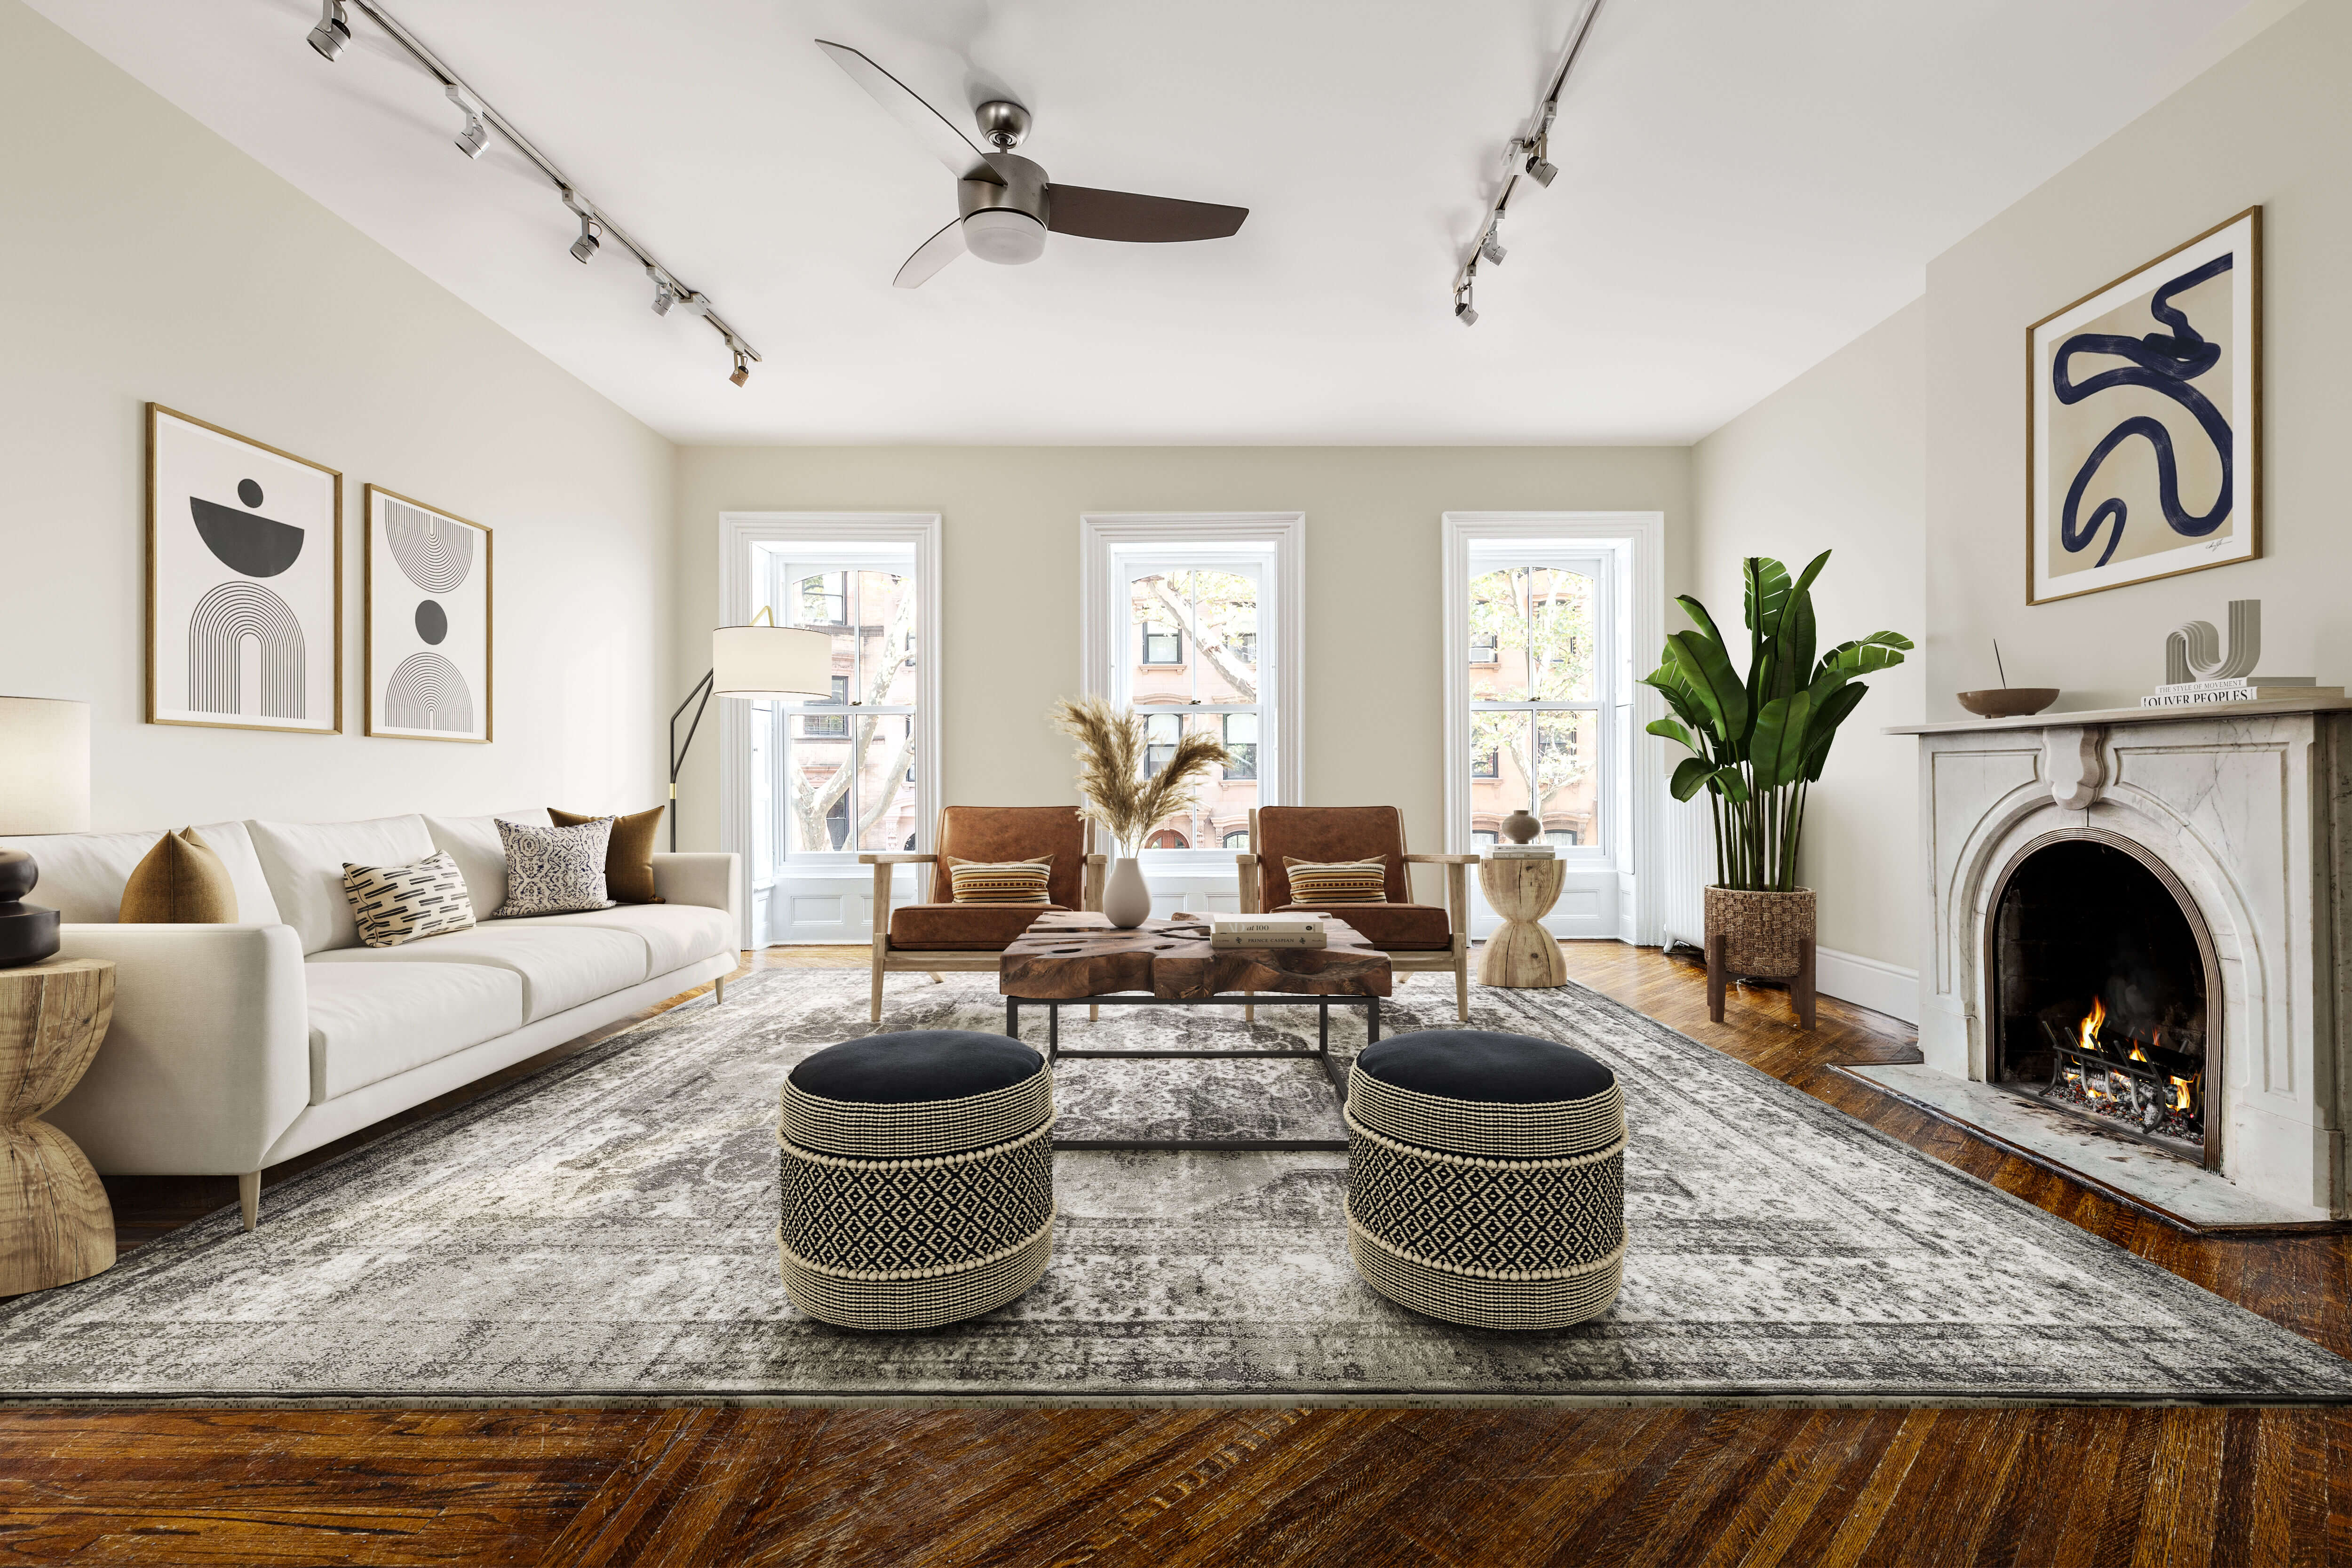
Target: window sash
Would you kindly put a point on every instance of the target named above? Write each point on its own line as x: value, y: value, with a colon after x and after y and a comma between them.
x: 1600, y: 759
x: 830, y: 721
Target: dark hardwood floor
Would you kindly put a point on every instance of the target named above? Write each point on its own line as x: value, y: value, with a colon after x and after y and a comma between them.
x: 1651, y: 1485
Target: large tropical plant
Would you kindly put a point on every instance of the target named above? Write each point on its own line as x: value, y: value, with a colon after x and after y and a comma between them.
x: 1759, y: 740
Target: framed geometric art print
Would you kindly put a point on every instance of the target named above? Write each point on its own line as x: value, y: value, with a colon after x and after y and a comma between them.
x: 2144, y: 424
x: 245, y: 574
x: 429, y: 621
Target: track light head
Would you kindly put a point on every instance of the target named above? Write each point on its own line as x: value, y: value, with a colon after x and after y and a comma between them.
x: 1464, y: 311
x: 475, y: 137
x: 333, y: 31
x: 1492, y: 247
x: 743, y: 369
x: 592, y: 235
x: 1540, y: 169
x: 664, y: 296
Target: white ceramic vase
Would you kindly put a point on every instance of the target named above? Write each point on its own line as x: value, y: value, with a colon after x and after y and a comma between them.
x: 1126, y: 900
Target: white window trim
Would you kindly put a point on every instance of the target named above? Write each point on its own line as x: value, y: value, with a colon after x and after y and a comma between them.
x: 1643, y: 596
x: 1103, y: 537
x: 737, y: 531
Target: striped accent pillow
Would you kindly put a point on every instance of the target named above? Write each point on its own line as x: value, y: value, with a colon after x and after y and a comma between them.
x: 393, y: 904
x: 1337, y: 881
x: 1000, y: 881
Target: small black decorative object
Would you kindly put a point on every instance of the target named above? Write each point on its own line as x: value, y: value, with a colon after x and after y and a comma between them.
x: 28, y: 933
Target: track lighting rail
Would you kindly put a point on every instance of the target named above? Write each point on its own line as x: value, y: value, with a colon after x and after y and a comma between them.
x: 1527, y: 156
x: 596, y: 225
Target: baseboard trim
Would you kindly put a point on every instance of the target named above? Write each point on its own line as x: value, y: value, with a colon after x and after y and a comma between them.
x: 1870, y: 982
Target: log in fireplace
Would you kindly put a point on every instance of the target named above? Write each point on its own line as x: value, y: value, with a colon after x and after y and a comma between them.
x: 2105, y: 991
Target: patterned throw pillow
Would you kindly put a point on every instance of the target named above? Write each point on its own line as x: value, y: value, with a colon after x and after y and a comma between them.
x: 393, y: 904
x: 554, y: 871
x: 1337, y: 881
x: 1000, y: 881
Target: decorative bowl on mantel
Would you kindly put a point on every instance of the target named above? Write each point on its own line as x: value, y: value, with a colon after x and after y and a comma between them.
x: 2009, y: 701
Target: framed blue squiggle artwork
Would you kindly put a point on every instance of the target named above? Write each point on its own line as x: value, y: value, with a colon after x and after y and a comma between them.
x: 2144, y: 435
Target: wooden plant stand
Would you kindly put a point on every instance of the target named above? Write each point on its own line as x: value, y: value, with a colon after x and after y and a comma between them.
x: 55, y: 1224
x: 1521, y: 954
x: 1719, y: 977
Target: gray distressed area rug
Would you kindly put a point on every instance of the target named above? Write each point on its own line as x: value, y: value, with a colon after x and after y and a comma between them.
x: 604, y: 1230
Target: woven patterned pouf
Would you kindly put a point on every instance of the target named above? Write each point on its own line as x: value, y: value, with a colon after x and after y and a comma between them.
x: 918, y: 1178
x: 1487, y: 1178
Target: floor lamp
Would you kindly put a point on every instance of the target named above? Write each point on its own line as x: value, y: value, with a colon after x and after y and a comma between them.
x: 761, y: 660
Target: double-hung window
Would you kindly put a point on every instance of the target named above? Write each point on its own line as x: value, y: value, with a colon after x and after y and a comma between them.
x: 1540, y: 688
x: 1185, y: 619
x: 841, y: 770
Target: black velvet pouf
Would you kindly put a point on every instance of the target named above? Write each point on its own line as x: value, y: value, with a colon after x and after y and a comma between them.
x: 1486, y: 1177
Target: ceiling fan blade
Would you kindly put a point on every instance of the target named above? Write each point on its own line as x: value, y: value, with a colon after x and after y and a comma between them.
x: 932, y: 129
x: 1144, y: 220
x: 931, y: 256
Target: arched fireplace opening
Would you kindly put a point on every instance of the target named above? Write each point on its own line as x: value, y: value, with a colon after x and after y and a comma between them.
x: 2105, y: 994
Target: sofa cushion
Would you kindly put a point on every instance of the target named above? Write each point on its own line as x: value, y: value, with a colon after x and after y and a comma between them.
x: 675, y: 934
x: 561, y: 969
x: 1399, y: 928
x: 304, y: 862
x: 473, y: 842
x: 961, y: 928
x: 180, y: 882
x: 1328, y: 833
x: 1014, y: 832
x: 370, y: 1022
x: 555, y: 870
x: 629, y: 856
x: 82, y: 875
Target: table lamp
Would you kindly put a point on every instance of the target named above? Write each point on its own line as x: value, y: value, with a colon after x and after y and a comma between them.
x: 761, y: 660
x: 44, y: 788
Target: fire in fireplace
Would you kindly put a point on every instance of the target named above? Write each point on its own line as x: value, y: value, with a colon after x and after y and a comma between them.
x: 2101, y: 975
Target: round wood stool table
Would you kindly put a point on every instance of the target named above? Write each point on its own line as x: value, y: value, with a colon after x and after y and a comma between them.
x: 1521, y: 954
x: 56, y: 1225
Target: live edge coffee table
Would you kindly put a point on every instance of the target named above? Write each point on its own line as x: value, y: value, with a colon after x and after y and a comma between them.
x: 1078, y: 957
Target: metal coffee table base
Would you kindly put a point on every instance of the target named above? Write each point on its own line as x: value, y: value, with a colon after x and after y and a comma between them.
x: 1321, y: 1053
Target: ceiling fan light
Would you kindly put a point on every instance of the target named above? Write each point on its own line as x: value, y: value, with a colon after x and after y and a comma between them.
x: 1007, y: 237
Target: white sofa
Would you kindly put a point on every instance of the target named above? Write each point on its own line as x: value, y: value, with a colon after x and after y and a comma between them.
x: 236, y: 1047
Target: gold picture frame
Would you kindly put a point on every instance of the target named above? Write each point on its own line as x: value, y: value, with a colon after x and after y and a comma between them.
x: 222, y: 579
x: 2158, y: 428
x: 420, y: 677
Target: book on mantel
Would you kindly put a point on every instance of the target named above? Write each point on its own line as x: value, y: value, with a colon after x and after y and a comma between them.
x: 2242, y: 689
x: 1266, y: 931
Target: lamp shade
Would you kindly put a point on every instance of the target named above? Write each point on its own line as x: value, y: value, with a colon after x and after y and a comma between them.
x: 771, y: 661
x: 44, y: 765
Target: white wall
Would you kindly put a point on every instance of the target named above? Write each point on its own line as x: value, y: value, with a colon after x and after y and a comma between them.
x: 2272, y: 124
x: 142, y: 257
x: 1374, y: 720
x: 1836, y: 460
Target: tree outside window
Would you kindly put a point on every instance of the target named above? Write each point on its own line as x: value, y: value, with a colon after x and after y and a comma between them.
x: 1196, y: 668
x: 1535, y: 699
x: 849, y: 764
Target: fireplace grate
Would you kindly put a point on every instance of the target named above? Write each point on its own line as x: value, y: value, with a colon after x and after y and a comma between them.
x: 2138, y: 1088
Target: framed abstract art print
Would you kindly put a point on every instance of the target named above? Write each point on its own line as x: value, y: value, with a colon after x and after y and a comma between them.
x: 245, y: 574
x: 2144, y: 426
x: 428, y: 621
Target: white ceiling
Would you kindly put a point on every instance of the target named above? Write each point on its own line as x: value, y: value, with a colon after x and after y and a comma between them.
x: 1743, y: 187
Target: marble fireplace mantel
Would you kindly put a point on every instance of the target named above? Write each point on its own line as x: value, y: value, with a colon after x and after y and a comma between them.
x: 2250, y: 806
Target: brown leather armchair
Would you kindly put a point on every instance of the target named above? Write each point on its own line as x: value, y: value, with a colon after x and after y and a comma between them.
x: 1416, y: 937
x: 942, y: 934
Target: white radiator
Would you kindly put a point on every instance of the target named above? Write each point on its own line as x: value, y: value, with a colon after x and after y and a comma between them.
x: 1687, y: 866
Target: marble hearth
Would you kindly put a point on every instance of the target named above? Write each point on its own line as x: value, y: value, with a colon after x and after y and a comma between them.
x: 2248, y: 810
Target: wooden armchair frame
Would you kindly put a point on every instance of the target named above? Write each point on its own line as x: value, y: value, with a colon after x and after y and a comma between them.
x: 888, y: 959
x: 1455, y: 956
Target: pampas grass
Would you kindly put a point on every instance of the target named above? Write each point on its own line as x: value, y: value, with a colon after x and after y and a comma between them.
x: 1112, y: 784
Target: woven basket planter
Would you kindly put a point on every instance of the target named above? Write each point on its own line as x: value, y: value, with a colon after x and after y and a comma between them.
x: 1764, y: 929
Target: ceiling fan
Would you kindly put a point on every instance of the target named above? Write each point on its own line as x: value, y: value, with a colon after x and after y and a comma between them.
x: 1004, y: 203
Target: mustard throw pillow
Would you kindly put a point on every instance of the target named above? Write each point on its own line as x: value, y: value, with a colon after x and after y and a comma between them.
x: 629, y: 857
x: 180, y: 882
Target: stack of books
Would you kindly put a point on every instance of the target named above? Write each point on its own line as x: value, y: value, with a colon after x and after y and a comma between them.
x: 2238, y: 688
x: 1522, y: 852
x: 1266, y: 931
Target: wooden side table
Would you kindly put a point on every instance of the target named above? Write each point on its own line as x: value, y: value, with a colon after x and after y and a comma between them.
x: 56, y: 1225
x: 1521, y: 954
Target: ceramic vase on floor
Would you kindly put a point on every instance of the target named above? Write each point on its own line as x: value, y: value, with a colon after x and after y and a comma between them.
x: 1126, y: 900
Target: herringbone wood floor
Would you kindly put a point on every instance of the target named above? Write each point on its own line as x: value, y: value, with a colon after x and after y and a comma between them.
x: 1665, y: 1486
